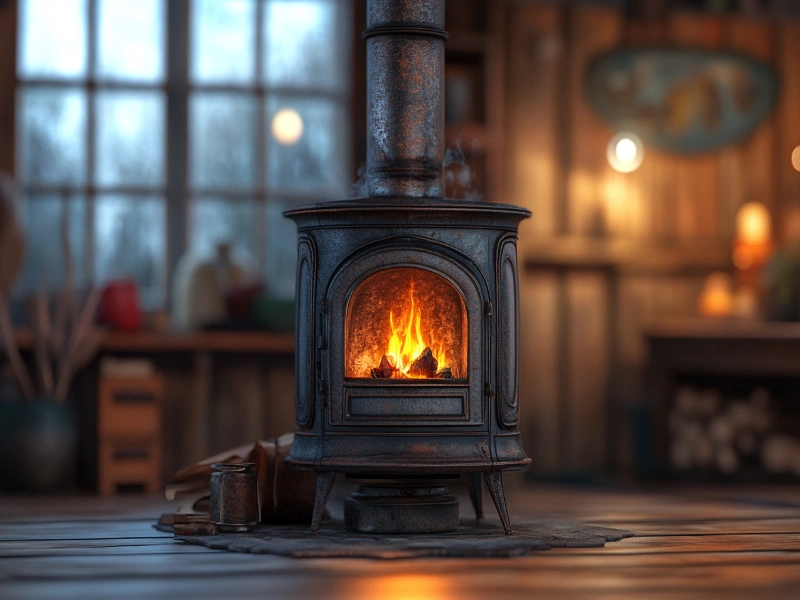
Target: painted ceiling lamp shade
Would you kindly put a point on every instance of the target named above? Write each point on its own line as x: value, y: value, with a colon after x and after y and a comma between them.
x: 681, y: 100
x: 796, y: 158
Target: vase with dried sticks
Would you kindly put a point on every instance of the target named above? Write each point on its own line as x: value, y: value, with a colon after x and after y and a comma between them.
x: 38, y: 437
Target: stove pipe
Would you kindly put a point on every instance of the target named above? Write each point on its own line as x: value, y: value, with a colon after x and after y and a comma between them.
x: 405, y: 98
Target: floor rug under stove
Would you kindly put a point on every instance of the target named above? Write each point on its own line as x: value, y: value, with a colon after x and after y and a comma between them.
x: 471, y: 539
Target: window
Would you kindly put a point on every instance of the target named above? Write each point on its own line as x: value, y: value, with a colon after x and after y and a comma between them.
x: 161, y: 126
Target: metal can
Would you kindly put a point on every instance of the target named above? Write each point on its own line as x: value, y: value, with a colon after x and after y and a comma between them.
x: 234, y: 503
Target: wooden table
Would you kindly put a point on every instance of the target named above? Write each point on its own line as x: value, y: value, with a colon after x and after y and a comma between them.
x: 702, y: 543
x: 204, y: 394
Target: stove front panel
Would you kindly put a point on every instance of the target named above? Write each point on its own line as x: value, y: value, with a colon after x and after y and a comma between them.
x: 408, y: 331
x: 461, y: 257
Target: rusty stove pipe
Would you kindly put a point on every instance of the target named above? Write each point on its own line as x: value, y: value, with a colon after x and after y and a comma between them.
x: 405, y: 97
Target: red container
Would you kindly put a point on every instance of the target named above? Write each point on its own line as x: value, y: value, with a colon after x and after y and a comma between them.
x: 119, y: 306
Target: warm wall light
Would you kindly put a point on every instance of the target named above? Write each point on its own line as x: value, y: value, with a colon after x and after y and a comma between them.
x: 716, y: 299
x: 796, y: 158
x: 625, y: 152
x: 287, y: 126
x: 753, y: 223
x: 753, y: 244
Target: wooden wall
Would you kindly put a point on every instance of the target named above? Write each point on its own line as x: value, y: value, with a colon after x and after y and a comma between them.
x: 8, y: 78
x: 607, y: 252
x: 217, y: 402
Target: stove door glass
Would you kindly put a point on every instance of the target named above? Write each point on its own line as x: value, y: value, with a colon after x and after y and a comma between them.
x: 406, y: 324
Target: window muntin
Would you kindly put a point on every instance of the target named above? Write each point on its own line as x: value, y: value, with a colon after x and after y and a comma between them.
x: 95, y: 106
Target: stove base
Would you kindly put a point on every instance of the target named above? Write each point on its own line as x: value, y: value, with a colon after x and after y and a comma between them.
x: 401, y: 509
x: 373, y: 505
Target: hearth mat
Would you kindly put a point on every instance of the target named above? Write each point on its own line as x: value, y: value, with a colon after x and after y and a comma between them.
x: 472, y: 539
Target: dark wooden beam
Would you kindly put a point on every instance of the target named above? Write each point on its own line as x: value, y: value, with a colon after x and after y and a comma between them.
x: 8, y: 82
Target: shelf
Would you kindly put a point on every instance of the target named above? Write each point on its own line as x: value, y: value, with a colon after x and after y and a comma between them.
x: 711, y: 328
x: 260, y: 342
x: 626, y: 256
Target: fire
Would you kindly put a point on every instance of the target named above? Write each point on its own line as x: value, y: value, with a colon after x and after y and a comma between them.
x: 407, y: 342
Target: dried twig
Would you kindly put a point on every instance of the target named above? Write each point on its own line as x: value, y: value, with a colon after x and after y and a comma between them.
x: 39, y: 320
x: 59, y: 333
x: 88, y: 349
x: 61, y: 346
x: 71, y: 299
x: 12, y: 350
x: 12, y: 245
x: 78, y: 344
x: 66, y: 305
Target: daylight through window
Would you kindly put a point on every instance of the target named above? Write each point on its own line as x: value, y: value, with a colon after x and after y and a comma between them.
x: 165, y: 126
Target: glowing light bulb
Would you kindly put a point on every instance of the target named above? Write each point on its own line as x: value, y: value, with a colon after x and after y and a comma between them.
x: 796, y: 158
x: 287, y: 126
x: 625, y: 152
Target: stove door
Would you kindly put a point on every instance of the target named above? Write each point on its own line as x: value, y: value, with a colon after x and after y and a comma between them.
x: 411, y: 343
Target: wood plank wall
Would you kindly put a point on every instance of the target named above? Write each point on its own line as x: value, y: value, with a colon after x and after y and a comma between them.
x: 215, y: 403
x: 582, y: 318
x: 8, y: 78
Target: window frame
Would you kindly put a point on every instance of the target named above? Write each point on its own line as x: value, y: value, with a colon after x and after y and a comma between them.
x: 177, y: 88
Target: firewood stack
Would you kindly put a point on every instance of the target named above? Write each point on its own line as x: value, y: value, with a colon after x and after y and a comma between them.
x: 709, y: 432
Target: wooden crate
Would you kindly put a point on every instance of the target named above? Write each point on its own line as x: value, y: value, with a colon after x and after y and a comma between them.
x: 130, y: 435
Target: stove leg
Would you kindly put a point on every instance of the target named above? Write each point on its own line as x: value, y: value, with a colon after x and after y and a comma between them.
x: 324, y: 487
x: 494, y: 482
x: 474, y: 484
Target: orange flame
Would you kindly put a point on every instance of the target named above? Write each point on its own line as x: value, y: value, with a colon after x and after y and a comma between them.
x: 407, y: 341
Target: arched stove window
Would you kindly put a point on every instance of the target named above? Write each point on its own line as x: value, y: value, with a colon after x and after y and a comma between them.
x: 406, y: 323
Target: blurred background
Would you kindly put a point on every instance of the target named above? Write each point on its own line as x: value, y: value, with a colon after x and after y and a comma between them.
x: 154, y: 146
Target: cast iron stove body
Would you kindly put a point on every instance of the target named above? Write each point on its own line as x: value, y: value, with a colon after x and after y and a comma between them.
x: 404, y: 266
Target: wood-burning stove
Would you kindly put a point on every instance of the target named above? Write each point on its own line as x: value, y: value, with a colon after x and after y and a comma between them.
x: 407, y: 303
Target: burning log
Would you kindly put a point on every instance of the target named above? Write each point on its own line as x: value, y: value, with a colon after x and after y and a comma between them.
x: 445, y: 373
x: 425, y: 365
x: 386, y: 367
x: 385, y: 370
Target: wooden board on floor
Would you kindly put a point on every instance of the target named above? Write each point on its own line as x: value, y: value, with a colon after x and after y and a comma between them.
x: 697, y: 544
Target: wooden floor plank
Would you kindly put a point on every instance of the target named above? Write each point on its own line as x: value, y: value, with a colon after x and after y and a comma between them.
x: 79, y: 531
x: 698, y: 544
x: 757, y: 542
x: 372, y: 583
x: 707, y: 526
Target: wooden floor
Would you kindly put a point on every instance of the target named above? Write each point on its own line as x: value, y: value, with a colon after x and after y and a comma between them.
x: 690, y: 544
